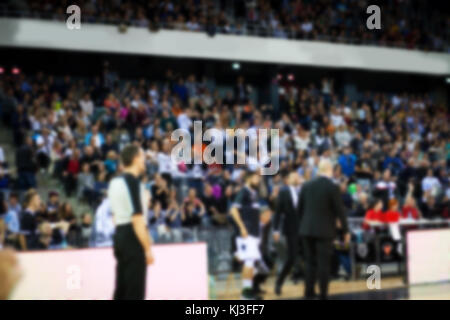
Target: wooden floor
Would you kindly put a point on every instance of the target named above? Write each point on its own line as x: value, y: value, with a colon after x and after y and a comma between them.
x: 230, y: 289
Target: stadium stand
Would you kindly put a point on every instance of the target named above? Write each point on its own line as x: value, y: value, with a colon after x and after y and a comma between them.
x: 403, y: 25
x: 395, y: 146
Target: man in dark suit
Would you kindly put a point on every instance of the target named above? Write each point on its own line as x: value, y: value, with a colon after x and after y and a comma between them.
x: 320, y: 209
x: 287, y: 210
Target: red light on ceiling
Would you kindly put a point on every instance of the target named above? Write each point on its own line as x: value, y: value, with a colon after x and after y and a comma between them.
x: 2, y: 70
x: 291, y: 77
x: 15, y: 71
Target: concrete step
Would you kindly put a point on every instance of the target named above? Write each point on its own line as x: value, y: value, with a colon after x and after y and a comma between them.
x: 46, y: 184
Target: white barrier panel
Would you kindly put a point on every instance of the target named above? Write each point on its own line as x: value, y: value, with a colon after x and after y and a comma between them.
x: 428, y: 256
x: 29, y: 33
x: 179, y: 272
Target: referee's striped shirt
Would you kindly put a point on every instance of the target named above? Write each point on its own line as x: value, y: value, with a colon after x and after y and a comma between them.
x: 127, y: 197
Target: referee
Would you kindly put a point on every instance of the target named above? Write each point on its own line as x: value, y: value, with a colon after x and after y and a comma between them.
x: 132, y: 243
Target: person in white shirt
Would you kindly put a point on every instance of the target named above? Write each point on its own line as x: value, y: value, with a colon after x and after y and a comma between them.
x: 184, y: 120
x: 301, y: 140
x: 44, y: 144
x: 104, y: 225
x: 2, y: 156
x: 430, y: 184
x: 87, y: 105
x: 343, y: 137
x: 336, y: 118
x: 166, y: 166
x: 192, y: 24
x: 132, y: 242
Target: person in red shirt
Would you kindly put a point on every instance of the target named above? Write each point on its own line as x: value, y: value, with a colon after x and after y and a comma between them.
x: 111, y: 102
x: 71, y: 173
x: 410, y: 209
x: 374, y: 214
x: 393, y: 214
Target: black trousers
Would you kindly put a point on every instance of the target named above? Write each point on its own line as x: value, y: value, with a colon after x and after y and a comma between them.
x: 131, y: 266
x: 292, y: 246
x: 318, y: 252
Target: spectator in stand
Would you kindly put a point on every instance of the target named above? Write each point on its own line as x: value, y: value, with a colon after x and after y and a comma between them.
x: 44, y: 236
x: 4, y: 177
x: 85, y: 230
x: 71, y: 173
x: 21, y: 124
x: 53, y: 201
x: 430, y: 184
x: 362, y: 205
x: 174, y: 222
x: 410, y: 210
x: 68, y: 217
x: 373, y: 216
x: 385, y: 188
x: 2, y: 156
x: 109, y: 145
x: 193, y: 210
x: 28, y: 222
x: 86, y: 184
x: 393, y: 162
x: 160, y: 193
x: 12, y: 225
x: 14, y: 204
x: 393, y: 214
x: 94, y: 138
x: 347, y: 161
x: 216, y: 210
x: 87, y: 105
x: 26, y: 166
x: 44, y: 143
x: 103, y: 224
x: 429, y: 208
x: 111, y: 162
x: 242, y: 90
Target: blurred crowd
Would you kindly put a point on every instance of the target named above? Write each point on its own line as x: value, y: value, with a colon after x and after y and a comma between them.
x: 405, y: 23
x: 391, y: 152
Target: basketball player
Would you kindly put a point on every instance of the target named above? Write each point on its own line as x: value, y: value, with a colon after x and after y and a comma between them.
x: 245, y: 213
x: 132, y: 242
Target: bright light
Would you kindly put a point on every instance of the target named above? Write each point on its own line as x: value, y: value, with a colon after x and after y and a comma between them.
x: 447, y: 80
x: 236, y: 66
x: 279, y: 77
x: 291, y: 77
x: 2, y: 70
x: 15, y: 70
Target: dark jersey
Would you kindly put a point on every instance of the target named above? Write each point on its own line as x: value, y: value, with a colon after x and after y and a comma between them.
x: 247, y: 203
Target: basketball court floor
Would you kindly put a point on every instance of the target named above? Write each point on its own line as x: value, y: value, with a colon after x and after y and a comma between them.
x: 392, y: 288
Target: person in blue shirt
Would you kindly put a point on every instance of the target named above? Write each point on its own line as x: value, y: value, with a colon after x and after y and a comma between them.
x: 347, y: 161
x: 12, y: 222
x: 181, y: 90
x: 393, y: 162
x: 111, y: 162
x: 98, y: 136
